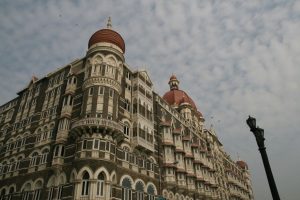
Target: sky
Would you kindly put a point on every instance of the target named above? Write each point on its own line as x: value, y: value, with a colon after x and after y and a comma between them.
x: 234, y: 58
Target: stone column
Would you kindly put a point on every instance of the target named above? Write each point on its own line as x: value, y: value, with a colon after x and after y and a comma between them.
x: 77, y: 189
x: 93, y: 189
x: 107, y: 189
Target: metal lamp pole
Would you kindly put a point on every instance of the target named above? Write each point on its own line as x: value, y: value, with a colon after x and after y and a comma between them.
x: 259, y: 136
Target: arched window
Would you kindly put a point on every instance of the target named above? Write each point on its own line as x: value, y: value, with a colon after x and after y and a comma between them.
x: 9, y: 115
x: 26, y: 191
x: 3, y: 193
x: 151, y: 192
x: 37, y: 190
x: 139, y: 187
x: 85, y: 184
x: 100, y: 185
x: 126, y: 189
x: 44, y: 156
x: 33, y: 160
x: 126, y: 152
x: 62, y: 181
x: 4, y: 167
x: 44, y: 135
x: 127, y: 105
x: 11, y: 191
x: 126, y: 129
x: 12, y: 165
x: 18, y: 162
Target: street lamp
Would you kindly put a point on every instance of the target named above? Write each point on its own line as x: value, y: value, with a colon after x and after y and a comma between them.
x: 259, y: 136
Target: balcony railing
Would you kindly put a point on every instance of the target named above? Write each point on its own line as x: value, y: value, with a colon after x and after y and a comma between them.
x: 143, y: 143
x: 98, y: 122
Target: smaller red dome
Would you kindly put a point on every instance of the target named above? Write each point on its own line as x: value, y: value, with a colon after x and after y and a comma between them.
x: 176, y: 97
x: 242, y: 164
x: 107, y: 35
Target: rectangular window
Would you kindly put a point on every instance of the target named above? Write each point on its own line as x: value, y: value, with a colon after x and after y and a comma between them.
x: 45, y: 134
x: 84, y: 144
x: 140, y: 195
x: 91, y: 91
x: 52, y: 93
x: 36, y: 194
x: 85, y: 188
x: 100, y: 101
x: 126, y: 194
x: 111, y: 93
x: 44, y: 158
x: 62, y: 76
x: 33, y: 102
x: 50, y: 194
x: 101, y: 90
x: 58, y: 91
x: 25, y: 195
x: 59, y: 192
x: 128, y: 75
x: 96, y: 144
x: 100, y: 188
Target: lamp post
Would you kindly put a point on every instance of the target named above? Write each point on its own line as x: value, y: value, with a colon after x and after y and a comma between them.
x: 259, y: 136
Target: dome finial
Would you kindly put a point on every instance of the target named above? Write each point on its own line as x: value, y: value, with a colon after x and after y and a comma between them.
x: 173, y: 83
x: 109, y: 26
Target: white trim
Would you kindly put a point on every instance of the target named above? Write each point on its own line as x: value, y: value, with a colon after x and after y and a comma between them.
x: 85, y: 168
x: 99, y: 170
x: 126, y: 176
x: 30, y: 182
x: 139, y: 180
x: 154, y: 187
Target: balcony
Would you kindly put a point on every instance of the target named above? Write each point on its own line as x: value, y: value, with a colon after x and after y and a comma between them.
x: 66, y: 111
x: 181, y: 185
x: 70, y: 89
x: 191, y: 187
x: 58, y: 162
x: 170, y: 179
x: 62, y: 135
x: 201, y: 192
x: 97, y: 123
x: 143, y: 143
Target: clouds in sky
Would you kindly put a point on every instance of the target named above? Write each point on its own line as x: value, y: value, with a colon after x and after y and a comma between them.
x: 234, y: 58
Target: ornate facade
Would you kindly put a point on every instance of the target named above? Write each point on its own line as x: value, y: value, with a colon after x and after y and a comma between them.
x: 95, y: 130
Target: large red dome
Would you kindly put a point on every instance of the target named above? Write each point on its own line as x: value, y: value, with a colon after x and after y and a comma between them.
x: 107, y: 35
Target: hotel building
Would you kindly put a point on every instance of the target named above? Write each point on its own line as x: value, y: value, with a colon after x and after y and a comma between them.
x: 95, y: 130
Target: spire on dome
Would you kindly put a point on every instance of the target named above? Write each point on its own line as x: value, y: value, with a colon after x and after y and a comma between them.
x: 109, y: 26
